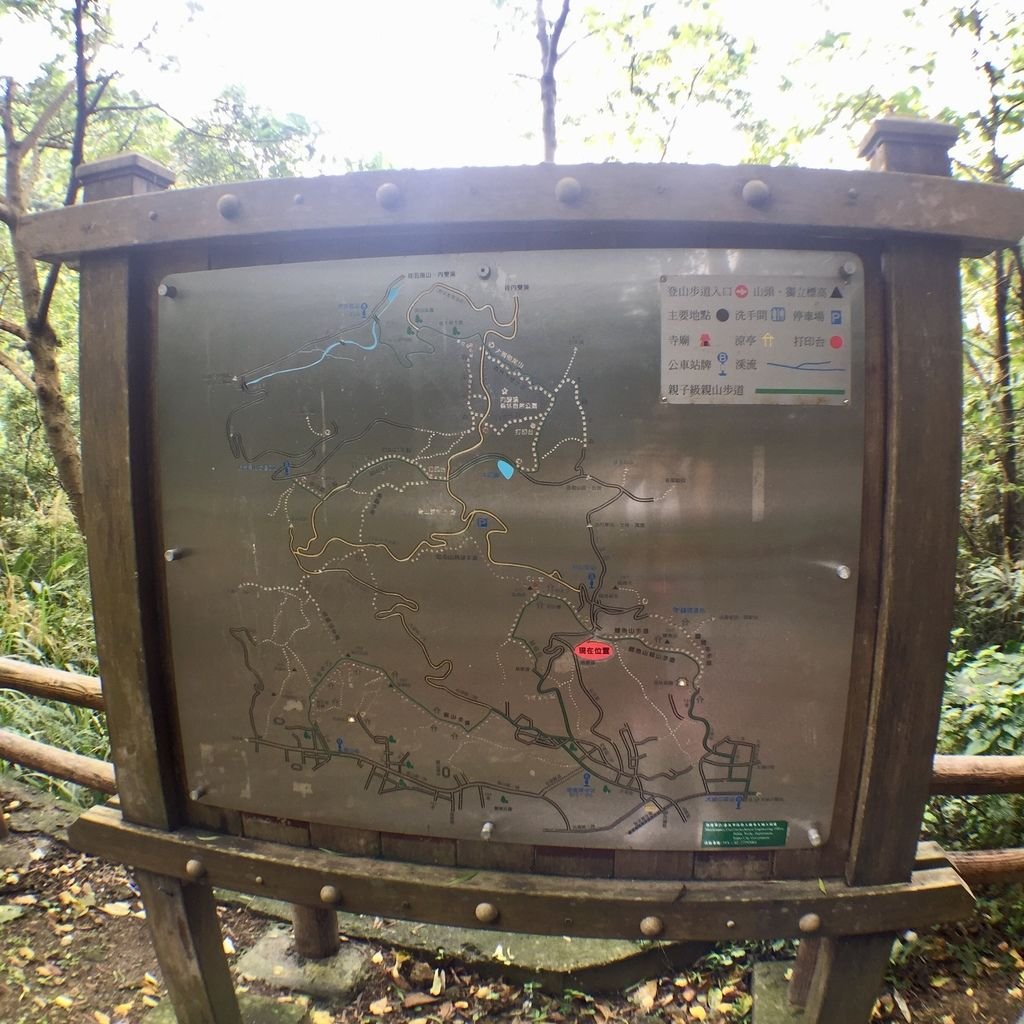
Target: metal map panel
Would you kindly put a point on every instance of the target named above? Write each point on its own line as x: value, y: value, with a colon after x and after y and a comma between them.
x: 475, y: 544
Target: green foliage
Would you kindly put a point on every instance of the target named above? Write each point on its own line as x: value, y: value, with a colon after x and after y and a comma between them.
x: 983, y: 713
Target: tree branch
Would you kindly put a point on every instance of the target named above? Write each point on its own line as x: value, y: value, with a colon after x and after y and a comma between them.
x: 32, y: 139
x: 9, y: 364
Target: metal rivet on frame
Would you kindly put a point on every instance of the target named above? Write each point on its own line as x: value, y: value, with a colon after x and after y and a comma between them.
x: 229, y: 206
x: 389, y: 195
x: 330, y: 895
x: 651, y: 927
x: 756, y: 193
x: 568, y: 191
x: 195, y: 869
x: 486, y: 913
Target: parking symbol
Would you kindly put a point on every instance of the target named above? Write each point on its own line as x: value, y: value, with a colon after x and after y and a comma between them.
x: 837, y: 317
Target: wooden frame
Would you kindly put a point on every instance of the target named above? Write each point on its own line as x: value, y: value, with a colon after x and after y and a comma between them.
x: 904, y: 227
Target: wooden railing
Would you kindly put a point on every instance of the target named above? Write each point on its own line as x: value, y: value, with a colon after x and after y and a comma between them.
x: 954, y: 774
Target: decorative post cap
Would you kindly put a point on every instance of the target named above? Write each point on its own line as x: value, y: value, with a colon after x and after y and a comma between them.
x: 914, y: 145
x: 127, y: 174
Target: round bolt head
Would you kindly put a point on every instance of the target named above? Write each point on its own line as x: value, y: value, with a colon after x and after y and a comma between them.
x: 483, y: 271
x: 329, y: 894
x: 486, y: 913
x: 814, y: 837
x: 756, y: 193
x: 568, y: 191
x: 229, y: 206
x: 167, y: 291
x: 809, y: 923
x: 389, y: 195
x: 258, y: 879
x: 172, y: 554
x: 651, y: 927
x: 153, y: 215
x: 195, y: 869
x: 730, y: 924
x: 849, y: 268
x: 843, y: 572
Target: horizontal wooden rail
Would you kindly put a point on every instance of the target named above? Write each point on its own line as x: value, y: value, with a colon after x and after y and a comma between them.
x: 988, y: 867
x: 964, y: 775
x: 69, y: 687
x: 86, y: 771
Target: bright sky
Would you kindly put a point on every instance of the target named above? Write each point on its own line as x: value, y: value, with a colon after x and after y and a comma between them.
x: 442, y: 84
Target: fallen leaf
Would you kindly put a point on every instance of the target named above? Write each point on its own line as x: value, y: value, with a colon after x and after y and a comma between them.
x: 381, y: 1006
x: 645, y: 995
x: 414, y: 999
x: 698, y: 1013
x: 902, y: 1004
x: 148, y: 979
x: 150, y: 1001
x: 438, y: 985
x: 377, y: 958
x: 64, y: 1002
x: 123, y: 1008
x: 100, y: 1017
x: 321, y: 1017
x: 229, y: 946
x: 116, y: 909
x: 25, y: 901
x: 821, y: 886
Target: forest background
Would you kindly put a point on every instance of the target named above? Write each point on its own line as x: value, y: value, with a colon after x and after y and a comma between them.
x: 700, y: 80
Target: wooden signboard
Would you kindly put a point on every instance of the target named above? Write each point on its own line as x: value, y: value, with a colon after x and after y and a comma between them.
x: 592, y: 528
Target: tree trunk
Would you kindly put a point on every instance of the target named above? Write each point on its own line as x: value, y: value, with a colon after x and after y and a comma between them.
x: 1012, y: 513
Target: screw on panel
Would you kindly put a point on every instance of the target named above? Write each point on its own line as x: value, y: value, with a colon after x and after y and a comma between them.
x: 849, y: 268
x: 229, y: 206
x: 330, y: 895
x: 809, y: 923
x: 198, y: 793
x: 167, y: 291
x: 153, y: 215
x: 487, y: 830
x: 195, y: 869
x: 814, y: 837
x: 389, y: 195
x: 843, y: 572
x: 483, y: 271
x: 568, y: 191
x: 174, y: 554
x: 651, y: 927
x: 730, y: 924
x: 756, y: 193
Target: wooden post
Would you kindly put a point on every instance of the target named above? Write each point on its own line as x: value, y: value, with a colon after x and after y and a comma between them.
x: 114, y: 371
x: 316, y: 931
x: 920, y: 518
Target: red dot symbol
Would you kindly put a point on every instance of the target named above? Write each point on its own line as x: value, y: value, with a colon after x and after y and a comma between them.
x: 742, y: 291
x: 835, y: 341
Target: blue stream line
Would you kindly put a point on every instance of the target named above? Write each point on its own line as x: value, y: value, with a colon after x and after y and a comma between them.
x: 374, y: 330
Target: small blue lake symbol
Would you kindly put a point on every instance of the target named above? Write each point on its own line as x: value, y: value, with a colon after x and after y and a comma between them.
x: 506, y: 469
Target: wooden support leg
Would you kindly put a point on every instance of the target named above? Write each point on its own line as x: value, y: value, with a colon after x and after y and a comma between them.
x: 803, y: 971
x: 186, y: 934
x: 316, y: 931
x: 847, y: 979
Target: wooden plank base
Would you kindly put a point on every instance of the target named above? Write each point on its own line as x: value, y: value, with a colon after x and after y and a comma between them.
x: 547, y: 905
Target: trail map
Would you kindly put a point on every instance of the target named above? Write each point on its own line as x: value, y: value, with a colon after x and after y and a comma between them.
x: 453, y: 561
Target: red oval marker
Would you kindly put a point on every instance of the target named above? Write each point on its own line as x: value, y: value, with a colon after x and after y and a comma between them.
x: 594, y: 650
x: 836, y: 341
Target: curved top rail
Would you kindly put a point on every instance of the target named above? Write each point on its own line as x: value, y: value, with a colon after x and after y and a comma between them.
x: 758, y: 200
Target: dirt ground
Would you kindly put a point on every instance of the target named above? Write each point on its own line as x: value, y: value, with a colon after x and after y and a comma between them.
x: 74, y: 949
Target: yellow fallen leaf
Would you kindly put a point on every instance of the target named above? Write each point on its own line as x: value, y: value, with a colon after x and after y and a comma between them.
x: 64, y: 1002
x: 150, y: 1001
x: 320, y: 1017
x: 229, y: 946
x: 377, y: 958
x: 27, y: 953
x: 123, y: 1008
x: 438, y: 984
x: 698, y: 1012
x: 380, y: 1006
x: 100, y: 1017
x: 645, y: 995
x: 25, y: 901
x: 116, y: 909
x: 148, y: 979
